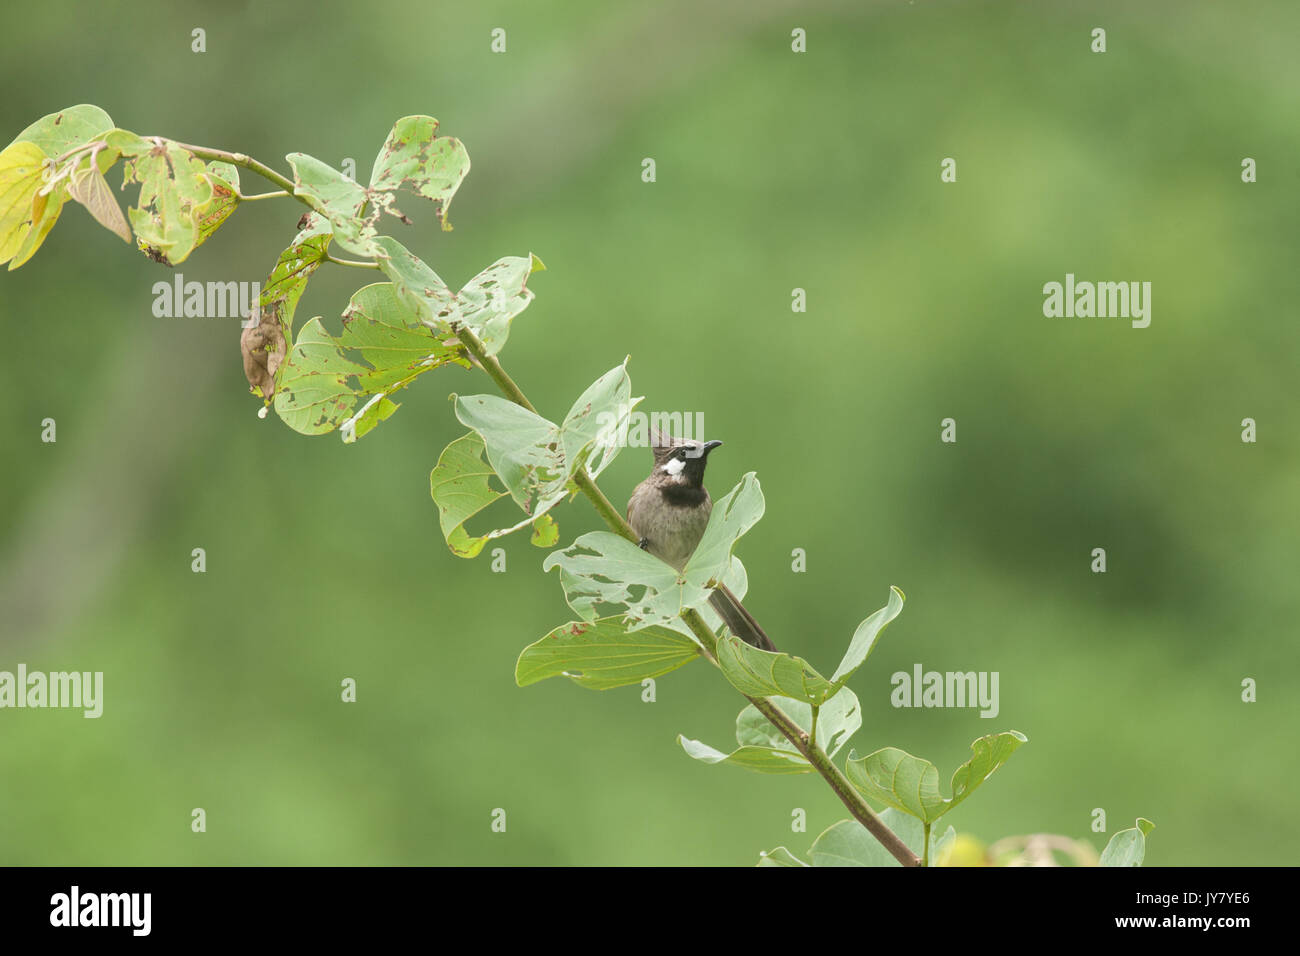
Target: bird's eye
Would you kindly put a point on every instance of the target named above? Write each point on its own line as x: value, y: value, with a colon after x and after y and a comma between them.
x: 681, y: 453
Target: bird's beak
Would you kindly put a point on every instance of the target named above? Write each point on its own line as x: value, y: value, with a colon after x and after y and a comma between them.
x: 700, y: 451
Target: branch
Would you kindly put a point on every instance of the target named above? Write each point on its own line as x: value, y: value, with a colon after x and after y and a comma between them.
x: 248, y: 162
x: 814, y: 754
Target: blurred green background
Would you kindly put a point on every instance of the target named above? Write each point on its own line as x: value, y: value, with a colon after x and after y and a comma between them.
x: 775, y: 171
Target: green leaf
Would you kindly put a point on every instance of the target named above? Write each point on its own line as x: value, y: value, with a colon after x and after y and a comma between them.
x: 415, y: 156
x: 1128, y: 847
x: 991, y: 752
x: 486, y: 305
x: 589, y: 434
x: 490, y: 300
x: 523, y: 447
x: 382, y: 349
x: 378, y: 409
x: 175, y: 188
x: 225, y: 198
x: 387, y: 335
x: 228, y: 173
x: 733, y: 515
x: 535, y: 458
x: 339, y: 199
x: 603, y: 654
x: 545, y: 532
x: 759, y: 673
x: 461, y: 487
x: 418, y: 285
x: 601, y: 568
x: 837, y: 721
x: 57, y: 133
x: 866, y: 636
x: 295, y: 265
x: 765, y: 750
x: 313, y: 394
x: 849, y: 843
x: 433, y: 166
x: 911, y: 784
x: 758, y: 759
x: 779, y: 857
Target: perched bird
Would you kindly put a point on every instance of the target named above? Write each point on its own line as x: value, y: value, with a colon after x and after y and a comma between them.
x: 669, y: 512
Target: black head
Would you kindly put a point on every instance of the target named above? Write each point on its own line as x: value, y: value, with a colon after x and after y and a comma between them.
x: 679, y: 460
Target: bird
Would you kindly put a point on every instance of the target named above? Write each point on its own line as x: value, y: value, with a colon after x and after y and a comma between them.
x: 669, y: 511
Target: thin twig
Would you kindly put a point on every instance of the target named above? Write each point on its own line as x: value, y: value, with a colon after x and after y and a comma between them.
x: 354, y: 263
x: 247, y: 162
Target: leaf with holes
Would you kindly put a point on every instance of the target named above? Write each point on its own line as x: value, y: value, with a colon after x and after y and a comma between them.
x: 837, y: 721
x: 461, y: 486
x: 225, y: 199
x: 415, y: 157
x: 604, y: 570
x: 418, y: 285
x: 314, y: 396
x: 174, y: 189
x: 522, y: 446
x: 601, y: 571
x: 489, y: 302
x: 383, y: 348
x: 339, y: 199
x: 534, y: 457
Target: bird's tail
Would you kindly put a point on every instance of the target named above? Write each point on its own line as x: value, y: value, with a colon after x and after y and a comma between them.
x: 739, y: 621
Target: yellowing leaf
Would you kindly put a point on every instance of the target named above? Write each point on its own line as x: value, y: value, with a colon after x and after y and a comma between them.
x: 36, y: 231
x: 21, y: 166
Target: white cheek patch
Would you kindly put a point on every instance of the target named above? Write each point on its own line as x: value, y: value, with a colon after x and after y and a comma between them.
x: 674, y: 466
